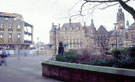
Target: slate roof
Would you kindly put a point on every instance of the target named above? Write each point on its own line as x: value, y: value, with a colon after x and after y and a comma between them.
x: 102, y: 29
x: 72, y: 25
x: 132, y: 26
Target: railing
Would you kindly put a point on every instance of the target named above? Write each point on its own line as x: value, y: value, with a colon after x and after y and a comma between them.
x: 27, y: 41
x: 27, y: 33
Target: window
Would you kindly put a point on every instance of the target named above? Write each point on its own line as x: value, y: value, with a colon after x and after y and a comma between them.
x: 10, y: 25
x: 18, y: 35
x: 77, y: 28
x: 10, y: 35
x: 1, y: 25
x: 19, y: 26
x: 1, y: 35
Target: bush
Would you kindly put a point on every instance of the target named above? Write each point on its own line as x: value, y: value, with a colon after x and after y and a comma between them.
x: 116, y: 53
x: 122, y: 58
x: 132, y: 52
x: 124, y: 52
x: 84, y: 55
x: 69, y: 56
x: 61, y: 58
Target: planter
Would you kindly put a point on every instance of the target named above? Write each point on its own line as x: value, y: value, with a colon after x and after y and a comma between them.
x: 86, y: 73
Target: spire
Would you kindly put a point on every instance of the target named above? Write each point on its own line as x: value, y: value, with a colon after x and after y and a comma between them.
x: 120, y: 9
x: 127, y: 24
x: 92, y: 24
x: 52, y: 25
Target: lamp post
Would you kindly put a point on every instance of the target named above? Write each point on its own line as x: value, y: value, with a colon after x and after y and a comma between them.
x: 38, y: 46
x: 55, y: 48
x: 116, y: 34
x: 126, y: 31
x: 16, y: 48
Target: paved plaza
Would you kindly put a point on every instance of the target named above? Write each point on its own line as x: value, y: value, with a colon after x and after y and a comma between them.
x: 24, y: 69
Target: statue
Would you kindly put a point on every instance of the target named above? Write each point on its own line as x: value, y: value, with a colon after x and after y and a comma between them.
x: 61, y: 49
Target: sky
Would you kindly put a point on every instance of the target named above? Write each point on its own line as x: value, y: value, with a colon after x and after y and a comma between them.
x: 42, y: 13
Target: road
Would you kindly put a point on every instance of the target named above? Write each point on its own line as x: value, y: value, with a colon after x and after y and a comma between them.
x: 26, y: 69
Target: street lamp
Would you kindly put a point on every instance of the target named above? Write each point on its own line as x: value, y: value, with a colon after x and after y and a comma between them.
x: 16, y: 48
x: 55, y: 48
x: 126, y: 32
x: 116, y: 34
x: 38, y: 46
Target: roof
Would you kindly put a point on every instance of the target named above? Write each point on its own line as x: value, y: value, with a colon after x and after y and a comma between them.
x: 27, y: 24
x: 102, y: 29
x: 72, y: 25
x: 132, y: 26
x: 6, y: 14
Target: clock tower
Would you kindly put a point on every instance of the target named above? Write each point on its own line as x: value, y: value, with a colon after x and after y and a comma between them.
x: 120, y: 20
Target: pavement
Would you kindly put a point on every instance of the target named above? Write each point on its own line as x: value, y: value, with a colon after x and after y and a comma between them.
x: 24, y: 69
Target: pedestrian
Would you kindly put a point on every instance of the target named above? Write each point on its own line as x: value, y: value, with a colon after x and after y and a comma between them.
x: 25, y: 54
x: 3, y: 58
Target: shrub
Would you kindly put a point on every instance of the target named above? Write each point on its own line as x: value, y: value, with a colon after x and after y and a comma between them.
x: 121, y: 58
x: 124, y: 52
x: 116, y: 53
x: 132, y: 52
x: 84, y: 55
x: 69, y: 56
x: 60, y: 58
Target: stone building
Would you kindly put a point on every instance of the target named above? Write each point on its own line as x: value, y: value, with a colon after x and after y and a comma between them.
x: 122, y: 35
x: 75, y: 36
x: 15, y: 33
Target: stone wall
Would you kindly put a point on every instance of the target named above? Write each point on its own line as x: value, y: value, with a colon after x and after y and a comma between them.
x: 86, y: 73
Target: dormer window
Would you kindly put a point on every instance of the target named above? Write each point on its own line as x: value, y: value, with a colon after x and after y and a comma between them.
x: 10, y: 26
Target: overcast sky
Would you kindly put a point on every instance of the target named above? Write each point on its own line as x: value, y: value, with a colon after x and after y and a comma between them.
x: 42, y: 13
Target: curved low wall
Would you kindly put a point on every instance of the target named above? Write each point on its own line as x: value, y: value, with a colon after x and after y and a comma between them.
x: 86, y: 73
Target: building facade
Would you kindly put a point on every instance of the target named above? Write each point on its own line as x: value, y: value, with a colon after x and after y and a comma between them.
x: 76, y: 36
x: 14, y: 33
x: 123, y: 34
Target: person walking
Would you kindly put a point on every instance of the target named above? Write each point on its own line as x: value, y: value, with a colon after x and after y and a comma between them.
x: 3, y: 58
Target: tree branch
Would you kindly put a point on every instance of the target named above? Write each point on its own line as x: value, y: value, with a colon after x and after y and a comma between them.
x: 102, y: 1
x: 82, y: 7
x: 127, y: 8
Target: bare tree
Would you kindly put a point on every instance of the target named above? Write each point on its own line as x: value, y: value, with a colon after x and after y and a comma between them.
x: 103, y: 43
x: 99, y: 4
x: 102, y: 39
